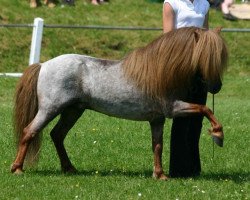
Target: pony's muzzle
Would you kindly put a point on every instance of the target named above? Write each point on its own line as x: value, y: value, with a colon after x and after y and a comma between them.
x: 214, y: 88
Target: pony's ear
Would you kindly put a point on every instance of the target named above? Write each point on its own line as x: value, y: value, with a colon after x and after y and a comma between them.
x: 218, y: 29
x: 197, y: 34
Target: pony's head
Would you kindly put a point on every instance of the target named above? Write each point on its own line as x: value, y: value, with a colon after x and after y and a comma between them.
x: 210, y: 86
x: 173, y: 60
x: 210, y: 58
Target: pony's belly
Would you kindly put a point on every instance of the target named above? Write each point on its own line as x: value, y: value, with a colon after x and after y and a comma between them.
x: 137, y: 110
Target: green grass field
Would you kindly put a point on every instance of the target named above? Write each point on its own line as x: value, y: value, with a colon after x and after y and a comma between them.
x: 113, y: 156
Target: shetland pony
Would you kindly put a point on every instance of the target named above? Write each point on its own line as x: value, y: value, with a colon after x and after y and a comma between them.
x: 149, y: 84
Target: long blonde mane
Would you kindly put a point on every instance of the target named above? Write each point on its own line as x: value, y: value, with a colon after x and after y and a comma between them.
x: 172, y: 60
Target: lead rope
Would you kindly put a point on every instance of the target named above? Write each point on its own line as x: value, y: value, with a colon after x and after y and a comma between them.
x: 213, y: 113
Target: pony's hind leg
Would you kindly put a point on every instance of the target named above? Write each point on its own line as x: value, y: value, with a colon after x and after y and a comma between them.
x: 29, y: 134
x: 157, y: 146
x: 67, y: 120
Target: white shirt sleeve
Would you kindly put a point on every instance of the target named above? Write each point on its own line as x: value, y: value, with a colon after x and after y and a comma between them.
x: 173, y: 4
x: 207, y: 6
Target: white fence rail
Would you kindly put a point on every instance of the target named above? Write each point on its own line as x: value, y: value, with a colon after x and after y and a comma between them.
x: 35, y: 48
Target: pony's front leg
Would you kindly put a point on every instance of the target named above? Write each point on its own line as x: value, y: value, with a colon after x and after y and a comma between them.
x: 181, y: 108
x: 157, y: 146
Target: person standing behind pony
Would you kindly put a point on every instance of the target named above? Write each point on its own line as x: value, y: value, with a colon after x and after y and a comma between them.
x: 49, y: 3
x: 98, y: 2
x: 226, y: 4
x: 185, y: 131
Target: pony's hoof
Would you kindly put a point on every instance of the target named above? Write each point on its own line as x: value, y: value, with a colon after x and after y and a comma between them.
x: 160, y: 176
x: 217, y: 136
x: 217, y: 141
x: 16, y: 169
x: 69, y: 170
x: 163, y: 177
x: 18, y: 172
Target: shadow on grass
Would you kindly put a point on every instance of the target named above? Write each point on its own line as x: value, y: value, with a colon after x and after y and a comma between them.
x: 237, y: 177
x: 103, y: 173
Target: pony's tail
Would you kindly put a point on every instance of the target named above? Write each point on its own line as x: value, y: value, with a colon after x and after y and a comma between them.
x: 210, y: 54
x: 25, y: 109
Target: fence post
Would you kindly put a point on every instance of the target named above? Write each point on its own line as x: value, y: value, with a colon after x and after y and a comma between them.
x: 36, y: 41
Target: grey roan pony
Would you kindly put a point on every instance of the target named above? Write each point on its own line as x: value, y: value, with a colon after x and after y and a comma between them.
x: 150, y: 84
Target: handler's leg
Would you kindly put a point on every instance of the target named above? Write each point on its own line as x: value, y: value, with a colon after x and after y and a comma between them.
x: 198, y: 97
x: 183, y: 158
x: 184, y: 144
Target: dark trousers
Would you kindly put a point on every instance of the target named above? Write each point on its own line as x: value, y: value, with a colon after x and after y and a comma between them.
x: 185, y: 135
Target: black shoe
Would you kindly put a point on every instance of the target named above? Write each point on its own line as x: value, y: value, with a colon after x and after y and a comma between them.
x: 230, y: 17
